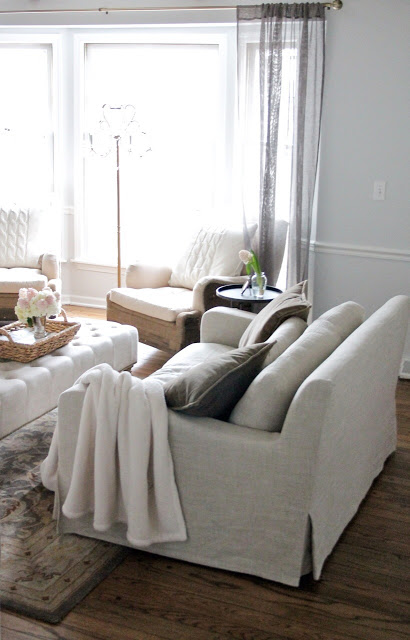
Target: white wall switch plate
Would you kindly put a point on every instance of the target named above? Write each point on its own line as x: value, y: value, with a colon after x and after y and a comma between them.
x: 379, y: 190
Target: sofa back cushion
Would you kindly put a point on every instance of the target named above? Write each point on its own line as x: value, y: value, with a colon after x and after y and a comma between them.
x: 289, y: 303
x: 286, y: 334
x: 267, y: 399
x: 212, y: 251
x: 213, y: 387
x: 21, y: 233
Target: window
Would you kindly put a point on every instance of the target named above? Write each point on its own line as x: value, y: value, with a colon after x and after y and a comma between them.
x: 177, y: 86
x: 26, y: 122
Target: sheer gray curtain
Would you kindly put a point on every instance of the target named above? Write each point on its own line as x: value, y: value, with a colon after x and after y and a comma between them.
x: 280, y: 79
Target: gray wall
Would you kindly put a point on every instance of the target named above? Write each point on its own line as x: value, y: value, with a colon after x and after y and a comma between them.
x: 362, y: 248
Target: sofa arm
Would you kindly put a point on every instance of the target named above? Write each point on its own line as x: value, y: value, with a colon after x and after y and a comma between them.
x: 204, y: 291
x: 55, y: 284
x: 50, y: 266
x: 147, y: 276
x: 224, y: 326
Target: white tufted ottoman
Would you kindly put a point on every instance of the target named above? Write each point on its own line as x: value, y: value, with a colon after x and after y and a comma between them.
x: 29, y: 390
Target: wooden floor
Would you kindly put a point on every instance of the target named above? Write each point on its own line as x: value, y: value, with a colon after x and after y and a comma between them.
x: 363, y: 593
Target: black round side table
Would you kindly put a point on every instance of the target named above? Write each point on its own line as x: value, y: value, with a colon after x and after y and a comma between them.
x: 232, y: 292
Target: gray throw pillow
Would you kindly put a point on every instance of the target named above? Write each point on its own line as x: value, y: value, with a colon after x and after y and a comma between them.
x: 211, y: 389
x: 289, y: 303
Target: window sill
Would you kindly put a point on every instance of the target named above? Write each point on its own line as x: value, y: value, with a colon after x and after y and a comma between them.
x: 86, y: 265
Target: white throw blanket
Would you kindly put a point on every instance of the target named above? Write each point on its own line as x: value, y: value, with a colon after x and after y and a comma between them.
x: 123, y: 469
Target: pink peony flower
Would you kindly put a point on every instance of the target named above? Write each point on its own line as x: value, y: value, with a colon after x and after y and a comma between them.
x: 23, y: 303
x: 31, y: 293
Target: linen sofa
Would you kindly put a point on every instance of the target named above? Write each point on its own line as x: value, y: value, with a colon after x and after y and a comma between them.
x: 268, y: 490
x: 25, y: 257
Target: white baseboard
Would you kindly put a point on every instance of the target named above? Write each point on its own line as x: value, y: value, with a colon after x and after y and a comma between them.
x: 84, y: 301
x: 405, y: 370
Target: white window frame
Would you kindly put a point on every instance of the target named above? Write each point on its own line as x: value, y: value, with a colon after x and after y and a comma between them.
x: 54, y: 41
x: 222, y: 35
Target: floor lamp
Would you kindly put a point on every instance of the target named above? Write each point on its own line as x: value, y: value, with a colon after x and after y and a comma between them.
x: 118, y: 126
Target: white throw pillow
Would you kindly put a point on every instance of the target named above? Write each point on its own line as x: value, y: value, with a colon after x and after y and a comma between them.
x: 21, y: 241
x: 212, y: 251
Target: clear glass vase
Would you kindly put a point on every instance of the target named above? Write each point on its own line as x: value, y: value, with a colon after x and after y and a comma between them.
x: 258, y: 284
x: 39, y: 324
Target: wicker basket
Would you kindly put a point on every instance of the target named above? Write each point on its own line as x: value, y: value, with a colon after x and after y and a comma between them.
x: 21, y: 345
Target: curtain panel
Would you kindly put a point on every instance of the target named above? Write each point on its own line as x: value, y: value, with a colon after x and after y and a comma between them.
x: 280, y: 84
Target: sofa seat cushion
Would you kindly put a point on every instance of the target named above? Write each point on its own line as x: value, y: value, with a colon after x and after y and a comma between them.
x: 11, y: 280
x: 187, y: 358
x: 211, y: 388
x: 277, y: 383
x: 212, y: 251
x: 165, y: 303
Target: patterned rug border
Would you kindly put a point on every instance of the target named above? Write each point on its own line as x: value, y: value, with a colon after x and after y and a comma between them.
x: 55, y: 617
x: 21, y: 453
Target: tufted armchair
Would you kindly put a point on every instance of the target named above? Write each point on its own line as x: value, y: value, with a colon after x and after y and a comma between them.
x: 24, y: 261
x: 166, y: 304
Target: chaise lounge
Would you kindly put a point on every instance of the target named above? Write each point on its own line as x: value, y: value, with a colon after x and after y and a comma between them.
x: 268, y: 489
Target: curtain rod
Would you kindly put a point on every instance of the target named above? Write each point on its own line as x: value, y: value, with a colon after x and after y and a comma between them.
x: 335, y: 4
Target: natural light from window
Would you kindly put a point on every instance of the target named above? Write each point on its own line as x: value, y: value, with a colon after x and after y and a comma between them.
x: 26, y: 136
x: 175, y: 89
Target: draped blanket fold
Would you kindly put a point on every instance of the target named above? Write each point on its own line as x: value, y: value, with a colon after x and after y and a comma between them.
x: 123, y: 469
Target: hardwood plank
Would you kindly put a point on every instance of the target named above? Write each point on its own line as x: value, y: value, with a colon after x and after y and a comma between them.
x: 361, y: 596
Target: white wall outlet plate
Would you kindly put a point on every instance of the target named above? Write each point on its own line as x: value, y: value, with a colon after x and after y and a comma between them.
x: 379, y: 190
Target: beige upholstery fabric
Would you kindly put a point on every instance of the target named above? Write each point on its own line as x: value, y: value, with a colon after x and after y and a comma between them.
x: 289, y: 303
x: 11, y: 280
x: 166, y: 304
x: 286, y: 334
x: 201, y: 290
x: 212, y: 251
x: 278, y: 383
x: 55, y: 284
x: 212, y: 388
x: 225, y: 325
x: 50, y: 266
x: 143, y: 276
x: 275, y: 504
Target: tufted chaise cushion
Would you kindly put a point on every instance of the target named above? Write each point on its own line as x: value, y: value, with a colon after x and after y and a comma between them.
x: 22, y: 237
x: 27, y: 390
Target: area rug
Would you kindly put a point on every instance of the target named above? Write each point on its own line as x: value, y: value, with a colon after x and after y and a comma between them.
x: 43, y: 574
